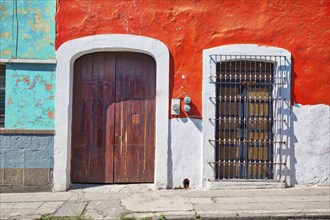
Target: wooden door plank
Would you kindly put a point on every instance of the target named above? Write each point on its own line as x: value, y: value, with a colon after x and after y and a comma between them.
x: 109, y: 97
x: 135, y: 162
x: 120, y: 121
x: 90, y: 113
x: 150, y: 119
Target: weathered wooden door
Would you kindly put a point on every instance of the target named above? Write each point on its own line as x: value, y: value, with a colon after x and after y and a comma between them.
x: 113, y: 127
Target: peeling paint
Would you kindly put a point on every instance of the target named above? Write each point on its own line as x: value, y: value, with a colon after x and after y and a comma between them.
x: 51, y: 115
x: 10, y: 101
x: 30, y: 96
x: 5, y: 52
x: 5, y: 34
x: 29, y: 33
x: 48, y: 87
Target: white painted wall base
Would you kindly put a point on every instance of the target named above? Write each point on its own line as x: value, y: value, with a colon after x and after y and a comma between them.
x: 185, y: 155
x: 311, y: 143
x: 307, y: 158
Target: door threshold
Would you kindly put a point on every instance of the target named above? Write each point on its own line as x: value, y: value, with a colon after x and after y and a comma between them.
x: 235, y: 184
x: 111, y: 187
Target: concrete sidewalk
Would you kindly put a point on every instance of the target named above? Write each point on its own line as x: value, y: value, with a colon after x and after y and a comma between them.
x: 139, y: 201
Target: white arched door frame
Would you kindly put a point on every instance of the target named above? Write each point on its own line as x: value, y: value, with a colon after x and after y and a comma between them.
x: 66, y: 56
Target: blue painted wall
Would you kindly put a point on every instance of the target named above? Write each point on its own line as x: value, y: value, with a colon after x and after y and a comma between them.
x: 30, y: 96
x: 27, y: 30
x: 26, y: 151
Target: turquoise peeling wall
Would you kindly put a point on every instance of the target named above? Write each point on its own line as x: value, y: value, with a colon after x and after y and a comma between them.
x: 30, y: 96
x: 27, y: 30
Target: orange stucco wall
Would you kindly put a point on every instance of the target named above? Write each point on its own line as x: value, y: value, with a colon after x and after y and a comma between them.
x: 187, y: 27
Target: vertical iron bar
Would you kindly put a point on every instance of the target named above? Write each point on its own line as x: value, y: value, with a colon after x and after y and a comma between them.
x: 235, y: 117
x: 261, y: 145
x: 218, y: 111
x: 256, y: 124
x: 281, y: 114
x: 240, y: 113
x: 245, y: 124
x: 264, y: 106
x: 270, y: 116
x: 224, y: 121
x: 229, y: 120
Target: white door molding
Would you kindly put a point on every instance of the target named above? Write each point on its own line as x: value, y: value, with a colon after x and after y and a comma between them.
x: 66, y: 56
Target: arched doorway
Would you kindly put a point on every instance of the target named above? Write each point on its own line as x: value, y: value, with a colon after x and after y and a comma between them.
x: 66, y: 56
x: 113, y: 118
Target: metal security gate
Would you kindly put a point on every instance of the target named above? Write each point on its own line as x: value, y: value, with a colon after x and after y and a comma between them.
x: 244, y: 116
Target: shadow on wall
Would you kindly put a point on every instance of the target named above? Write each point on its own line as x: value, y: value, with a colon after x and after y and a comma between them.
x: 284, y: 131
x: 169, y: 158
x: 196, y: 122
x: 286, y: 152
x: 292, y: 140
x: 292, y: 83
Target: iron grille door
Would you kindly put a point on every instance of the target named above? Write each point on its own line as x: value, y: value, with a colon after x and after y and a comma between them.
x: 244, y: 116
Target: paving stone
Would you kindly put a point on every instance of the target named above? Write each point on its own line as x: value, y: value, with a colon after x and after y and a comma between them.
x: 155, y: 203
x: 270, y: 199
x: 304, y: 205
x: 110, y: 209
x: 78, y: 196
x: 96, y: 196
x: 27, y: 205
x: 168, y: 215
x: 204, y: 207
x: 202, y: 200
x: 214, y: 214
x: 293, y: 198
x: 273, y: 206
x: 251, y: 205
x: 226, y: 206
x: 49, y: 196
x: 48, y: 208
x: 316, y: 191
x: 217, y: 207
x: 15, y: 197
x: 19, y: 213
x: 265, y: 192
x: 234, y: 199
x: 6, y: 205
x: 204, y: 193
x: 321, y: 198
x: 71, y: 209
x: 4, y: 212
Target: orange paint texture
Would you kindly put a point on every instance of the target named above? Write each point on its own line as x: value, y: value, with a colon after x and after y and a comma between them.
x: 51, y: 115
x: 188, y: 27
x: 48, y: 87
